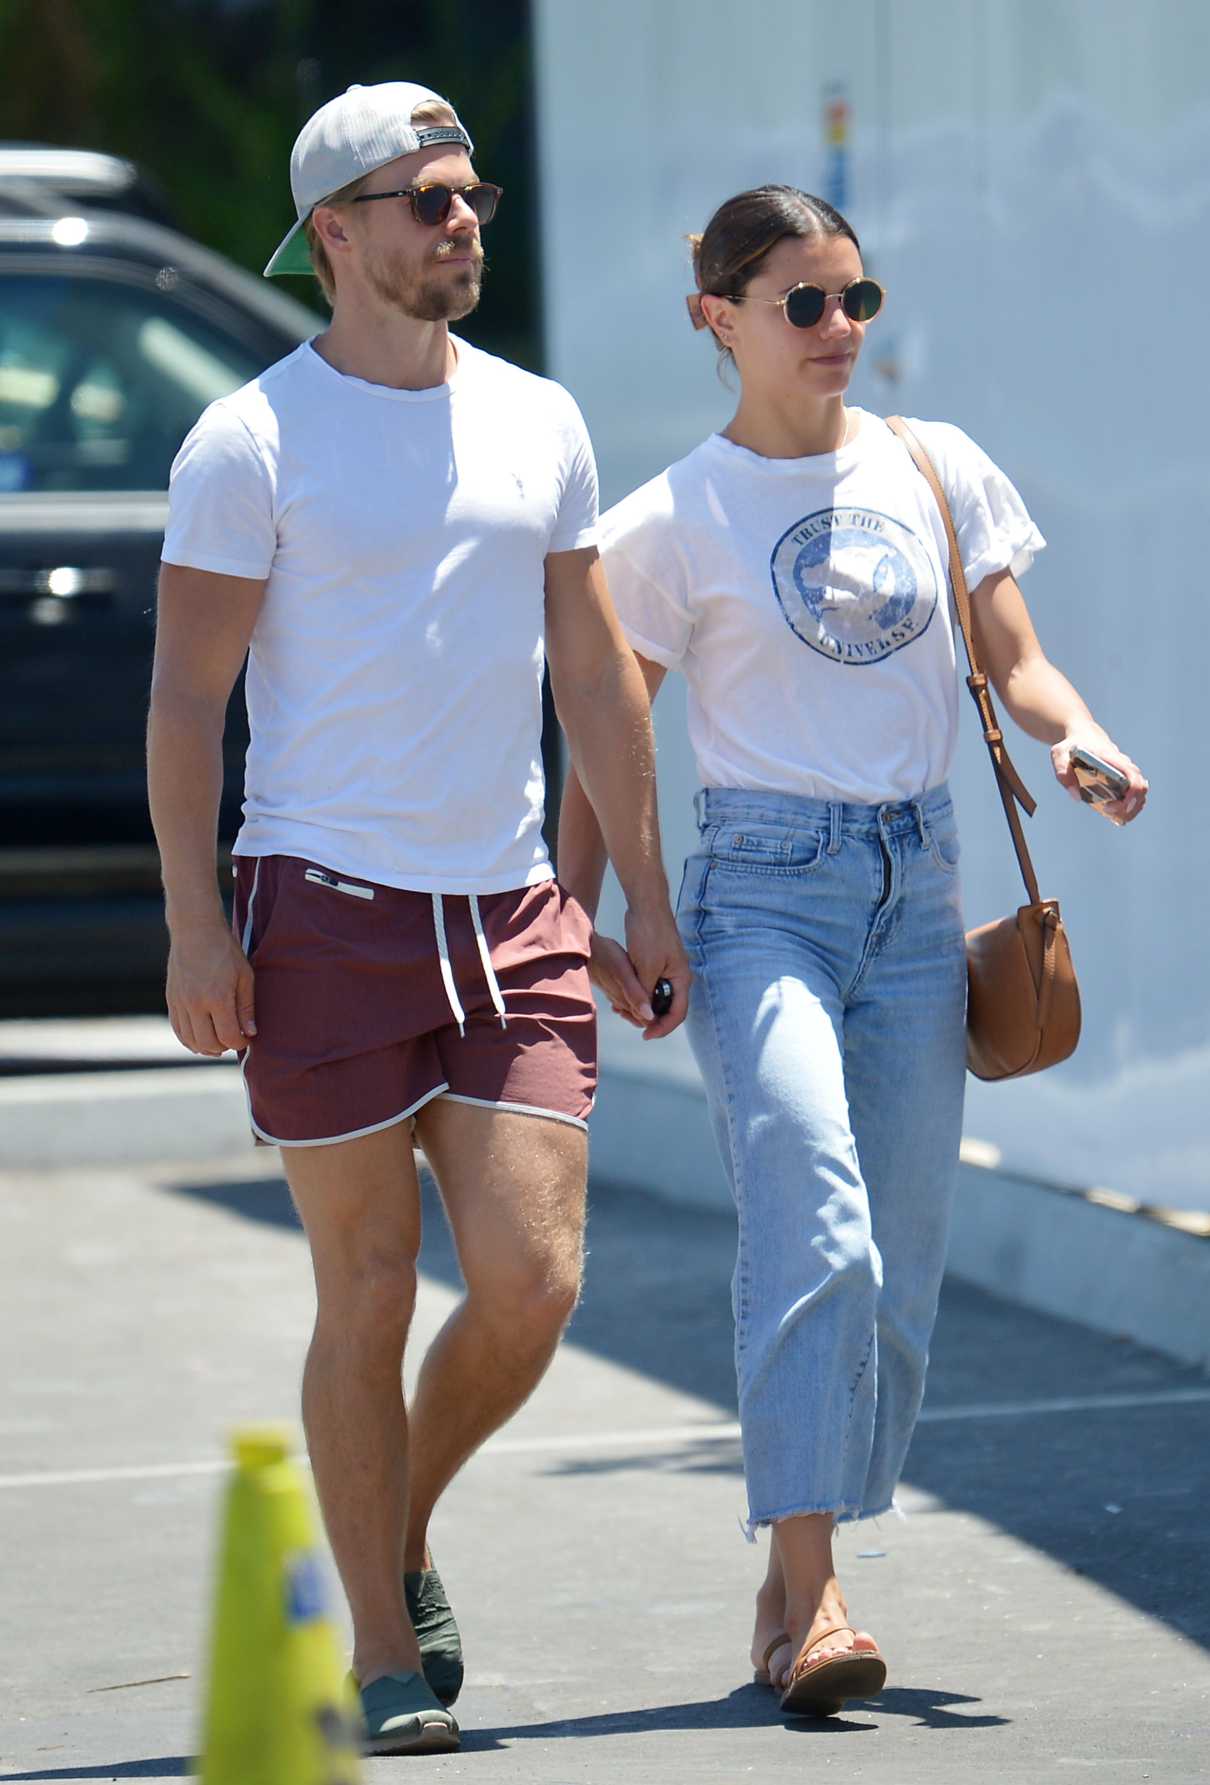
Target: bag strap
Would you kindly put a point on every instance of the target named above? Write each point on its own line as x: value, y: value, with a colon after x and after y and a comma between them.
x: 1013, y: 791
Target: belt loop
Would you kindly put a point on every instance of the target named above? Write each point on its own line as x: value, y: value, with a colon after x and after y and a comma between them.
x: 921, y: 826
x: 835, y: 812
x: 699, y: 807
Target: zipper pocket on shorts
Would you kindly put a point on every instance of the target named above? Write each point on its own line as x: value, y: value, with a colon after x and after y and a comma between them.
x: 317, y: 877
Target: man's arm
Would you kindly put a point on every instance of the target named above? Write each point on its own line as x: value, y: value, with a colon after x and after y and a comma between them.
x: 582, y: 859
x: 604, y: 710
x: 204, y: 622
x: 1038, y: 696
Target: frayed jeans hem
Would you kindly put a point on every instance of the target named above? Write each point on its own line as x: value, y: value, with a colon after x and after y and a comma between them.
x: 843, y: 1514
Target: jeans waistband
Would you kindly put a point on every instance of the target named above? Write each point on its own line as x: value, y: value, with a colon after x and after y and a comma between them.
x: 729, y: 805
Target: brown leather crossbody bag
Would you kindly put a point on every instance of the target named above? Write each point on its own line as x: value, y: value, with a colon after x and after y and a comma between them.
x: 1023, y: 1003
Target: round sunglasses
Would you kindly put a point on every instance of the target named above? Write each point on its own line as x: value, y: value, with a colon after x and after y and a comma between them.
x: 804, y: 305
x: 431, y: 203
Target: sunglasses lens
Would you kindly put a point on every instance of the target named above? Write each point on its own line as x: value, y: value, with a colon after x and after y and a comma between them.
x: 862, y: 300
x: 805, y: 305
x: 482, y: 199
x: 432, y: 204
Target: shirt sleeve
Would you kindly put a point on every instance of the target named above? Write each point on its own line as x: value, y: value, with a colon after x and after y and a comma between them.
x: 221, y: 500
x: 657, y: 623
x: 576, y: 522
x: 994, y: 528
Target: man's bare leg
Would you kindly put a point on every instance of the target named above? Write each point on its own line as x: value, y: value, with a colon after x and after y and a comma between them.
x: 360, y: 1205
x: 514, y: 1190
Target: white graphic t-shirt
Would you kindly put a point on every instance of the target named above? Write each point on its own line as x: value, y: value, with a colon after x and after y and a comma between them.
x: 395, y: 671
x: 807, y: 603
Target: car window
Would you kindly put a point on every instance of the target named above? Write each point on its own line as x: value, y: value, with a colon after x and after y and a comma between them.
x: 100, y: 382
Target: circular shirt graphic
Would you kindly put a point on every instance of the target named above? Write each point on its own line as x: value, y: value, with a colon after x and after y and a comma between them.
x: 853, y: 584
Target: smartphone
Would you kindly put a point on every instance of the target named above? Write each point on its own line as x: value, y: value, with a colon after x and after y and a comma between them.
x: 1099, y: 781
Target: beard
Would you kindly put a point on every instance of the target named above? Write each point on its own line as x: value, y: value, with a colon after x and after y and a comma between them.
x: 424, y: 295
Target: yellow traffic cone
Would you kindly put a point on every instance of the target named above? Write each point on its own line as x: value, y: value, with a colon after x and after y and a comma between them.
x: 280, y: 1709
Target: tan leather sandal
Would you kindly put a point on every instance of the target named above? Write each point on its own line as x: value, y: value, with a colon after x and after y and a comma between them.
x: 781, y: 1641
x: 821, y: 1688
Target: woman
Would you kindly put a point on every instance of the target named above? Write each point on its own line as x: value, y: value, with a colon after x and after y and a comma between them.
x: 794, y: 569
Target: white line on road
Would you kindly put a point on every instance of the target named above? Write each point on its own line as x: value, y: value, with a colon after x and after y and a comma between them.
x: 136, y: 1472
x: 650, y: 1437
x: 1167, y: 1397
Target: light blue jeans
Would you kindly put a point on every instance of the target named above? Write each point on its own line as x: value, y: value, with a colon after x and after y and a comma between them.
x: 828, y: 1019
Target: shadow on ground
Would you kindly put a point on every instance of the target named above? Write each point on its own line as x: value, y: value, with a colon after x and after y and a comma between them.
x: 745, y: 1708
x: 1111, y: 1493
x: 167, y: 1766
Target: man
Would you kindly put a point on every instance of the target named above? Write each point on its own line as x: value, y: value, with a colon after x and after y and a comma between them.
x: 391, y: 523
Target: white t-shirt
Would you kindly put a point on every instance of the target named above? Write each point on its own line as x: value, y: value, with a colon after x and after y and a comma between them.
x: 395, y: 670
x: 807, y: 603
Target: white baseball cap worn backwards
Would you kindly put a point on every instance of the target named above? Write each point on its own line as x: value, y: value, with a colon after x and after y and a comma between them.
x: 351, y: 135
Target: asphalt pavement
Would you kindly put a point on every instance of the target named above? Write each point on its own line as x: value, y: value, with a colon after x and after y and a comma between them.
x: 1044, y: 1605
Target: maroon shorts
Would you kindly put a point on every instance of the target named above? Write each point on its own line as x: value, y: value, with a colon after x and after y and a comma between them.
x: 370, y: 1001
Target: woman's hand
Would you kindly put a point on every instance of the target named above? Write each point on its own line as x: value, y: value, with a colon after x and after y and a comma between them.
x: 1091, y: 737
x: 612, y: 969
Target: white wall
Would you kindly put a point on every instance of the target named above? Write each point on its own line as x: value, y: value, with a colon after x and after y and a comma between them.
x: 1031, y: 181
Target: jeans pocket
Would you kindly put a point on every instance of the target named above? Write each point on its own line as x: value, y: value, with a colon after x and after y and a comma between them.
x: 693, y: 876
x: 766, y: 849
x: 943, y: 843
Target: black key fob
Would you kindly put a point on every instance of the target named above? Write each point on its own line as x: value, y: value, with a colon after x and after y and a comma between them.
x: 661, y: 997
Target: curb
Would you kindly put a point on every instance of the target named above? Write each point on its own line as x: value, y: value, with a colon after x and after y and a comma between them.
x: 111, y: 1118
x: 1080, y: 1255
x: 1067, y: 1252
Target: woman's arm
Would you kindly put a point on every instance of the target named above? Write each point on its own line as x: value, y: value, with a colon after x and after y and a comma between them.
x: 1038, y: 697
x: 582, y: 859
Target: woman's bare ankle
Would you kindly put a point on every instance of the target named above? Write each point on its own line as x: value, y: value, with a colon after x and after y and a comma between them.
x: 805, y: 1620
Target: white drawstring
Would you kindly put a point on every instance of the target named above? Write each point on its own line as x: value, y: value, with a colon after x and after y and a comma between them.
x: 493, y: 984
x: 447, y: 972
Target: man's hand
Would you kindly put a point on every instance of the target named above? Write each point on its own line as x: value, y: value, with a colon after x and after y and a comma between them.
x: 210, y: 995
x: 653, y: 944
x: 627, y: 976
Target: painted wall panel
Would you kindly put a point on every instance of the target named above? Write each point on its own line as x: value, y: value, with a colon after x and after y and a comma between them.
x: 1032, y: 183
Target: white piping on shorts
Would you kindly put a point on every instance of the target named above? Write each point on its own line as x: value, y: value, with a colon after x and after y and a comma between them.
x: 247, y: 935
x: 330, y: 1140
x: 447, y: 971
x: 520, y: 1109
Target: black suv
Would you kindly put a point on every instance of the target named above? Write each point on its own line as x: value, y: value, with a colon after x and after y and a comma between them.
x: 115, y: 332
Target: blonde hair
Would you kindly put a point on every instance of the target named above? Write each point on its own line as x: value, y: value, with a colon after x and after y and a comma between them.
x: 429, y: 111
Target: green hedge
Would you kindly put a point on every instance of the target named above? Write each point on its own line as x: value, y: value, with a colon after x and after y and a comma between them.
x: 208, y: 95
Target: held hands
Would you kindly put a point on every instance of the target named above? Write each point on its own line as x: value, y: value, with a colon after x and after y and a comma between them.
x: 1092, y: 738
x: 210, y: 1000
x: 627, y: 975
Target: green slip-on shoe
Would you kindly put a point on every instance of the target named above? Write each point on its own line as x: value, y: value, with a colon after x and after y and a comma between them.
x: 436, y: 1632
x: 401, y: 1716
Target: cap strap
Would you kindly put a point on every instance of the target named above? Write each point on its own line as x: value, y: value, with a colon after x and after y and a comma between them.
x: 442, y: 133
